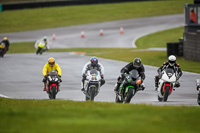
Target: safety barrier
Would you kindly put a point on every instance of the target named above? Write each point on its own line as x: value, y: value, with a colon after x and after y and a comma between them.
x: 15, y: 6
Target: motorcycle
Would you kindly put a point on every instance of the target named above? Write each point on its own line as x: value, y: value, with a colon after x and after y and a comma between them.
x: 52, y: 84
x: 92, y: 84
x: 166, y: 84
x: 2, y: 49
x: 41, y: 47
x: 198, y: 89
x: 128, y: 87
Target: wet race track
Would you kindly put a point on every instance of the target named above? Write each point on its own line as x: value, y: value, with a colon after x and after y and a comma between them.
x: 21, y: 74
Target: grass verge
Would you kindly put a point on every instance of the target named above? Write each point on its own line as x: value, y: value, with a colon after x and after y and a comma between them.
x: 41, y: 18
x: 70, y: 116
x: 160, y: 39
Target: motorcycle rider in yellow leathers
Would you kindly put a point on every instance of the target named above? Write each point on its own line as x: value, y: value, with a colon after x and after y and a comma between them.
x: 48, y: 67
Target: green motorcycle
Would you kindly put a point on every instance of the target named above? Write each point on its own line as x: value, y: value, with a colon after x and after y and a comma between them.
x: 128, y: 88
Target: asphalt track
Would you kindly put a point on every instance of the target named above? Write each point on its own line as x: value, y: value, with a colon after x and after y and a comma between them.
x: 21, y: 74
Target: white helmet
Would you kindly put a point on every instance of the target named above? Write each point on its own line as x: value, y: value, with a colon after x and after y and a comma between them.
x: 172, y: 60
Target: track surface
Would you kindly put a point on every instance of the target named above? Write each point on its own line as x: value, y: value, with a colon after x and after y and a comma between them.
x: 21, y: 74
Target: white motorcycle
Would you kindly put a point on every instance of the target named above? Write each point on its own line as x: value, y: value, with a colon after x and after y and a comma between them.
x: 166, y: 83
x: 92, y: 84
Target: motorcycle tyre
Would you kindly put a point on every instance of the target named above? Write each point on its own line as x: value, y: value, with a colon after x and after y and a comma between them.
x: 198, y: 98
x: 53, y: 92
x: 166, y: 94
x: 160, y: 99
x: 129, y: 95
x: 92, y: 93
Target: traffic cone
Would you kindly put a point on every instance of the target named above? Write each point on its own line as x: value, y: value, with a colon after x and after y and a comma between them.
x: 54, y: 37
x: 121, y: 30
x: 101, y: 32
x: 82, y: 34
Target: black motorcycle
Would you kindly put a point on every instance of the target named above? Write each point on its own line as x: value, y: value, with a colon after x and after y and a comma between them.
x: 52, y: 84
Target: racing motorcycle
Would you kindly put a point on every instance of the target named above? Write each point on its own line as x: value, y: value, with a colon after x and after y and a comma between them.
x: 92, y: 84
x: 52, y: 84
x: 198, y: 89
x: 41, y: 47
x: 129, y: 87
x: 2, y: 49
x: 166, y: 84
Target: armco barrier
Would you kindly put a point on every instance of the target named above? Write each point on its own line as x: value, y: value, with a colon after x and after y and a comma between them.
x: 60, y: 3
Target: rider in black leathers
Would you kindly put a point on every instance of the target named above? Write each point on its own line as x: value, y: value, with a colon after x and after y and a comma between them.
x: 170, y: 64
x: 137, y: 65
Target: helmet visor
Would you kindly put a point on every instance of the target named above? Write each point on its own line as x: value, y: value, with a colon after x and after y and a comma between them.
x: 136, y: 64
x: 51, y: 63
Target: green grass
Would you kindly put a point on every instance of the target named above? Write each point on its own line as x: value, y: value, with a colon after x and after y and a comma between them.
x: 41, y: 18
x: 18, y: 115
x: 160, y: 39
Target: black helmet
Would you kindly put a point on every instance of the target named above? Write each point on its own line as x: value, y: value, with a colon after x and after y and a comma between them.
x: 137, y: 62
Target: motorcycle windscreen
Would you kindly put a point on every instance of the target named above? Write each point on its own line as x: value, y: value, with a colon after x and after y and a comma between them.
x: 93, y: 71
x: 134, y: 74
x: 169, y: 72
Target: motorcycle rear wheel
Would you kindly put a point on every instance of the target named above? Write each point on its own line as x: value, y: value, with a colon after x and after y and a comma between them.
x: 160, y: 99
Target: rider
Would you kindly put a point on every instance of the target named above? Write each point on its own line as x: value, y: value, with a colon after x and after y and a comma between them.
x: 137, y: 65
x: 92, y: 64
x: 170, y: 64
x: 49, y: 66
x: 6, y: 43
x: 42, y: 46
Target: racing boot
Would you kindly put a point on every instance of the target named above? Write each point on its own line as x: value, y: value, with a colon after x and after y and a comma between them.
x: 44, y: 87
x: 82, y: 84
x: 116, y: 90
x: 177, y: 84
x: 156, y: 82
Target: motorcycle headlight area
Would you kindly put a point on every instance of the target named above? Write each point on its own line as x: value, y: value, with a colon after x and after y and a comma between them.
x: 52, y: 78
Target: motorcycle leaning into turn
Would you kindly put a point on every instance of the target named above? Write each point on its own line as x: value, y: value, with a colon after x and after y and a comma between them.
x: 2, y: 49
x: 129, y: 86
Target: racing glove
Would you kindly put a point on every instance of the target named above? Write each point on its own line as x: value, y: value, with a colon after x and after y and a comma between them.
x: 59, y: 77
x: 45, y: 78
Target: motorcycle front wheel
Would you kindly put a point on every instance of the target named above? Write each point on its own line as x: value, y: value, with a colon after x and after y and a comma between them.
x: 53, y: 92
x: 198, y: 98
x: 92, y: 93
x: 129, y: 95
x: 166, y: 93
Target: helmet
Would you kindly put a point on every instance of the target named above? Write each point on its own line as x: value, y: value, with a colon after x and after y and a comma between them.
x: 94, y: 61
x: 51, y: 61
x: 137, y: 62
x: 45, y: 38
x: 5, y: 38
x: 172, y: 60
